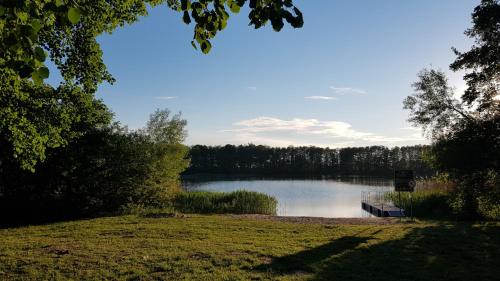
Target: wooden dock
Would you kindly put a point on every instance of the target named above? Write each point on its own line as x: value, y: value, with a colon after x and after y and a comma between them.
x: 382, y: 210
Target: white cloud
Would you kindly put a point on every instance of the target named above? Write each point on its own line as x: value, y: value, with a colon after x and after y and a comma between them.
x: 252, y: 88
x: 166, y: 98
x: 320, y: 98
x: 298, y: 131
x: 410, y: 128
x: 347, y: 90
x: 416, y: 132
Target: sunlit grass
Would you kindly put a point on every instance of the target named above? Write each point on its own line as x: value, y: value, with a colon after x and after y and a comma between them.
x: 194, y: 247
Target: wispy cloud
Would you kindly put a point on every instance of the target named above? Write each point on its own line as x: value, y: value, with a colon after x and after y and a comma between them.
x: 410, y: 128
x: 415, y: 132
x: 166, y: 98
x: 347, y: 90
x: 320, y: 98
x: 252, y: 88
x: 298, y: 131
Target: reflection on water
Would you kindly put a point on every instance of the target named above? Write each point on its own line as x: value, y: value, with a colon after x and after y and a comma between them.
x: 311, y: 197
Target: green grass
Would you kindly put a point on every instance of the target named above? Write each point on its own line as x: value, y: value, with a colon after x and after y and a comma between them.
x: 219, y: 247
x: 427, y: 204
x: 236, y: 202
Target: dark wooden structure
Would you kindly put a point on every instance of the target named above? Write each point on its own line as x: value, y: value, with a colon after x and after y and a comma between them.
x: 375, y: 203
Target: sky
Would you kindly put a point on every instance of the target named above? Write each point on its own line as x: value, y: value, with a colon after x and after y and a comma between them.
x: 338, y: 81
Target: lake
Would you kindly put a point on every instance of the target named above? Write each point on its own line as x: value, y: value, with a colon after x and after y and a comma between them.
x: 304, y: 197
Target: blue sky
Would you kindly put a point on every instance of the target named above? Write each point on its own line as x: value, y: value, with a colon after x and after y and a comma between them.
x: 338, y: 81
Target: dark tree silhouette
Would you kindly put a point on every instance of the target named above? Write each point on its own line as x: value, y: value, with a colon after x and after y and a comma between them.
x: 304, y: 161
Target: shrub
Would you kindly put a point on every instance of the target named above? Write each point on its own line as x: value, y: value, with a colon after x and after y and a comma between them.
x: 103, y: 172
x: 440, y: 181
x: 477, y: 196
x: 426, y: 203
x: 236, y: 202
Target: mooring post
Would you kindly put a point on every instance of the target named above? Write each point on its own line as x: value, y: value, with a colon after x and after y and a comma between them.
x: 400, y: 210
x: 411, y: 207
x: 382, y: 200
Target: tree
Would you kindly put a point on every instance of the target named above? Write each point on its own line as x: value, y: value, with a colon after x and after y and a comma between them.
x: 466, y: 135
x: 168, y: 155
x: 163, y: 128
x: 482, y: 61
x: 102, y: 172
x: 66, y: 32
x: 433, y: 106
x: 35, y: 118
x: 304, y: 161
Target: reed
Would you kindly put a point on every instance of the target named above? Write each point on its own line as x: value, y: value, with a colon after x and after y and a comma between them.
x: 427, y: 203
x: 236, y: 202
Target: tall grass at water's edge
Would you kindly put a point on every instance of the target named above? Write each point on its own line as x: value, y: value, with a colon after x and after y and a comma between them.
x: 236, y: 202
x: 427, y: 203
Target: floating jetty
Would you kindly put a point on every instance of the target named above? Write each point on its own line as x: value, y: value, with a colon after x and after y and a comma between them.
x: 382, y: 210
x: 375, y: 204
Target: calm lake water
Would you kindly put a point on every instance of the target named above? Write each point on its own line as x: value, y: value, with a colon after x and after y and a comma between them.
x: 304, y: 197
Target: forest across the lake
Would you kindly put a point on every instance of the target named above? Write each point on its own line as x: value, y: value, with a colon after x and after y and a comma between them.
x: 374, y: 161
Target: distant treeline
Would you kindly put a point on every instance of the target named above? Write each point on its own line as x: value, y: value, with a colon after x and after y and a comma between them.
x: 305, y: 161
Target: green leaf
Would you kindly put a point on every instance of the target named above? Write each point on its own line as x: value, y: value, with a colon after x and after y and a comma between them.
x: 43, y: 72
x: 36, y: 25
x: 194, y: 45
x: 206, y: 46
x: 36, y: 78
x: 196, y: 7
x: 59, y: 3
x: 26, y: 30
x: 186, y: 18
x: 234, y: 8
x: 74, y: 15
x: 40, y: 54
x: 222, y: 24
x: 25, y: 71
x: 22, y: 16
x: 185, y: 5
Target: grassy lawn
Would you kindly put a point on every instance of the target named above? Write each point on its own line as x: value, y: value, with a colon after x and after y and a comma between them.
x: 234, y: 248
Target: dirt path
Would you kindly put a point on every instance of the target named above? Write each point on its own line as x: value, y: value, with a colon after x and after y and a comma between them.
x: 320, y: 220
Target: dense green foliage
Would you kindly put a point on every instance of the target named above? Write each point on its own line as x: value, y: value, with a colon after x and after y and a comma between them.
x: 477, y: 195
x: 66, y: 31
x: 482, y: 61
x: 433, y: 107
x: 466, y: 132
x: 211, y: 16
x: 236, y: 202
x: 427, y: 204
x: 34, y: 119
x: 469, y: 149
x: 306, y: 161
x: 59, y: 154
x: 236, y: 248
x: 466, y: 145
x: 104, y: 171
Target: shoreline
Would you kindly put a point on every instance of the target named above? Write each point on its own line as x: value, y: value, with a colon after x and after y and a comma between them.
x: 317, y: 220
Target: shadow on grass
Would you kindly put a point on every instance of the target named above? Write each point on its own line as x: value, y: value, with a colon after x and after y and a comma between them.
x: 17, y: 222
x: 307, y: 260
x: 441, y: 252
